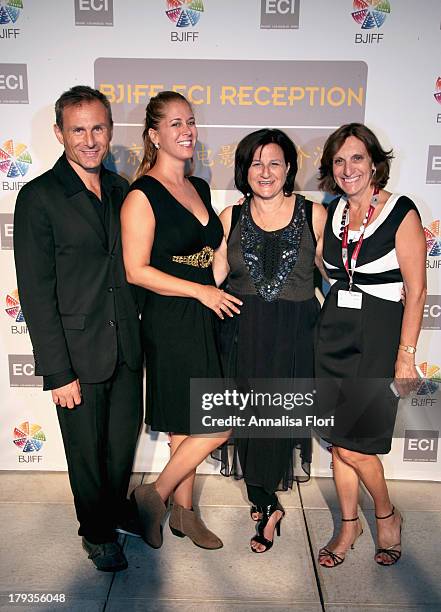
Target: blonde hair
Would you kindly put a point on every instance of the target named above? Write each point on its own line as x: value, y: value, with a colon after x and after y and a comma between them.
x: 154, y: 112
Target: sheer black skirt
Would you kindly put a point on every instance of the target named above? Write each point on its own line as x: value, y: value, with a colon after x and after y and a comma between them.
x: 268, y: 340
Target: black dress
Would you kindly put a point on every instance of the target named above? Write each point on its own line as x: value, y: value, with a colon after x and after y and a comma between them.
x: 272, y: 273
x: 356, y: 349
x: 179, y: 334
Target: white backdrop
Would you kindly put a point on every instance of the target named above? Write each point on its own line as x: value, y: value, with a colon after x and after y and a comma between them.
x: 304, y: 66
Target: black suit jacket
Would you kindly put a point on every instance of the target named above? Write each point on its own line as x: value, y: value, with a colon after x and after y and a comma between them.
x: 71, y: 279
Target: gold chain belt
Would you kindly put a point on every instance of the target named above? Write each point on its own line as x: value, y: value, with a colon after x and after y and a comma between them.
x: 203, y: 259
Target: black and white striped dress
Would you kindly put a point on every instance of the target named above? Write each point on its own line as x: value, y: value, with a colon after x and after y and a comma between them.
x: 356, y: 349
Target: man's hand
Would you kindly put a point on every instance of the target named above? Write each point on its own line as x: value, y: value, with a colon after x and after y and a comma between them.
x: 68, y: 396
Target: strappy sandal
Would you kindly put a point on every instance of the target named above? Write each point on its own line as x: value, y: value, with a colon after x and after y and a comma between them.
x: 267, y: 512
x: 337, y: 558
x: 256, y: 510
x: 390, y: 551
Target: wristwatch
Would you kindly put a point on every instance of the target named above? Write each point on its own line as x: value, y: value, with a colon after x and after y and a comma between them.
x: 408, y: 348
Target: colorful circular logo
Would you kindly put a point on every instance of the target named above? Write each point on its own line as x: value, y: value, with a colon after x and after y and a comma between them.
x: 370, y: 13
x: 14, y: 159
x: 13, y: 308
x: 437, y: 93
x: 433, y: 239
x: 10, y: 11
x: 29, y: 438
x: 184, y: 13
x: 432, y: 378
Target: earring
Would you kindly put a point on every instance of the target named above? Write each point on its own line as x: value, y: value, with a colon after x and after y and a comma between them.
x: 374, y: 170
x: 157, y: 145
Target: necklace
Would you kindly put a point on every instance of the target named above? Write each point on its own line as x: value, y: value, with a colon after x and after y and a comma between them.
x: 344, y: 232
x: 345, y: 215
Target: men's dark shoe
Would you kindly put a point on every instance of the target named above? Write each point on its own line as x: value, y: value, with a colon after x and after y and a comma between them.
x: 129, y: 523
x: 107, y: 557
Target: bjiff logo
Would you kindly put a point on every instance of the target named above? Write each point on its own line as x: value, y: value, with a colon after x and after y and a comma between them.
x: 184, y: 13
x: 13, y: 308
x: 29, y: 437
x: 370, y: 13
x: 10, y: 11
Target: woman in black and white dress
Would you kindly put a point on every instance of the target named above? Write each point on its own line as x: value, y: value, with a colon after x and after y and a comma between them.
x: 373, y: 244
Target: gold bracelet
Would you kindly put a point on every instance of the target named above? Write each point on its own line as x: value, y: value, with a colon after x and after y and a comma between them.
x: 408, y: 348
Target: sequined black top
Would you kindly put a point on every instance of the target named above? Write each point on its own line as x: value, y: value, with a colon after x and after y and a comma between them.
x: 277, y: 264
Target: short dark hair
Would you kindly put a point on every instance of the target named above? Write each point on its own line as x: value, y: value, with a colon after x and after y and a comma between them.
x: 380, y: 158
x: 249, y: 145
x: 78, y: 95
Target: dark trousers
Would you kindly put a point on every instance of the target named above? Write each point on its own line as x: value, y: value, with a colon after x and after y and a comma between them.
x: 100, y: 437
x: 259, y: 497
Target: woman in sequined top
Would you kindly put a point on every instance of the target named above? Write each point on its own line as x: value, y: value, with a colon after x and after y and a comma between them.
x: 268, y: 256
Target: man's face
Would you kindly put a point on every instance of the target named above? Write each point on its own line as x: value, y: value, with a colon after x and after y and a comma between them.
x: 86, y: 135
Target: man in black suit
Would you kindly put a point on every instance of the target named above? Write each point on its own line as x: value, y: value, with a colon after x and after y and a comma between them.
x: 82, y: 316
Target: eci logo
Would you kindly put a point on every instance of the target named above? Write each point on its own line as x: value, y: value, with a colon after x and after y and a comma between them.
x: 432, y: 313
x: 370, y: 14
x: 279, y: 14
x: 184, y: 14
x: 94, y: 12
x: 22, y: 371
x: 14, y: 84
x: 9, y: 13
x: 433, y: 175
x: 15, y: 161
x: 29, y: 439
x: 420, y: 445
x: 433, y: 244
x: 6, y: 231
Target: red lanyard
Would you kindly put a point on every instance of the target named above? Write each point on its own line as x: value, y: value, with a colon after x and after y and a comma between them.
x: 344, y: 242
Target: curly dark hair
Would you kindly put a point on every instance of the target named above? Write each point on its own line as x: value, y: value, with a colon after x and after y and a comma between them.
x: 249, y: 145
x: 380, y: 158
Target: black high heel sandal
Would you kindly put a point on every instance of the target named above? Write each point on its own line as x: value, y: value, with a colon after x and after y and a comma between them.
x: 390, y: 551
x: 337, y: 558
x: 255, y: 510
x: 267, y: 512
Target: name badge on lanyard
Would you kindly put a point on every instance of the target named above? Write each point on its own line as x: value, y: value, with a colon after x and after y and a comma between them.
x: 353, y: 299
x: 349, y: 299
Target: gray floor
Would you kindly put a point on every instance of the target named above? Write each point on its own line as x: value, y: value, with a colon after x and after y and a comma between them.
x: 41, y: 553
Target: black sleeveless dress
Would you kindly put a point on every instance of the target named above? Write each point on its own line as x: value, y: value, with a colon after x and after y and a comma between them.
x: 272, y: 273
x: 179, y: 334
x: 356, y: 349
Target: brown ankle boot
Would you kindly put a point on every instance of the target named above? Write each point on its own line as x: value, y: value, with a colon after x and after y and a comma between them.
x: 151, y: 512
x: 185, y: 522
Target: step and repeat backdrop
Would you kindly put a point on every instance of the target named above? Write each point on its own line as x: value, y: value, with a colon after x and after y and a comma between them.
x: 304, y: 66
